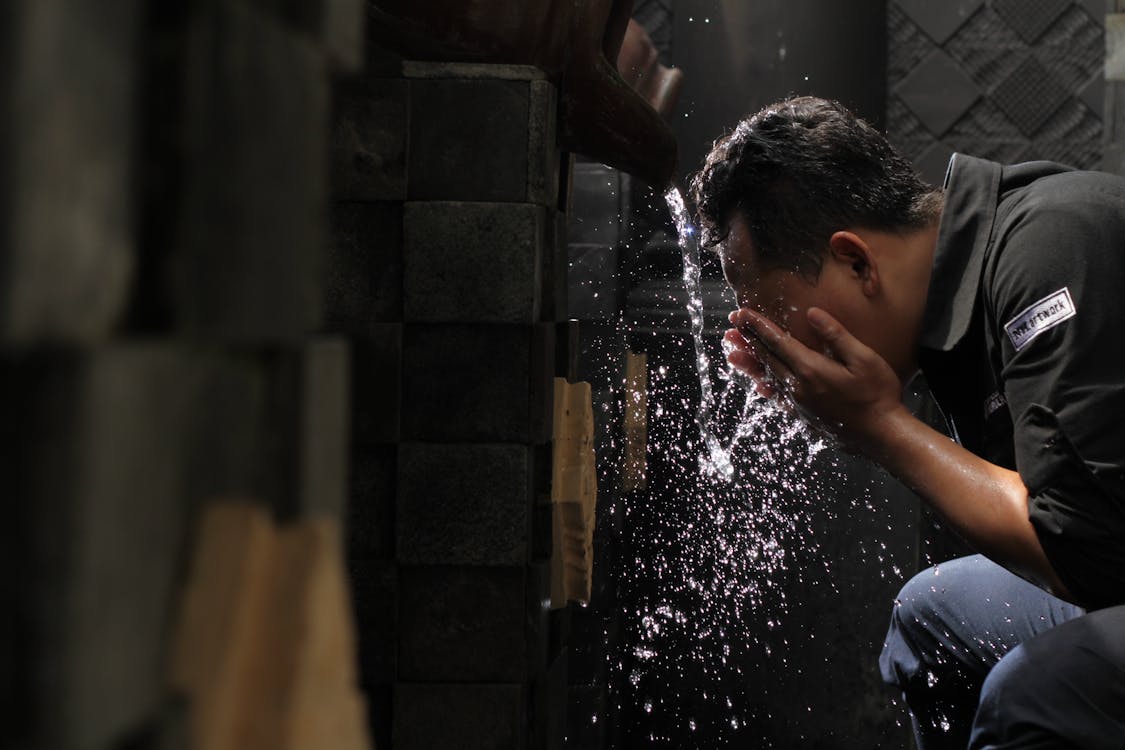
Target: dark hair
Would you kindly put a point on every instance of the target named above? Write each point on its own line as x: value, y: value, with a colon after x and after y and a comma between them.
x: 800, y: 170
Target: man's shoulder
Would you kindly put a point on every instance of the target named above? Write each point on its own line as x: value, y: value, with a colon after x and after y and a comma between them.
x: 1081, y: 192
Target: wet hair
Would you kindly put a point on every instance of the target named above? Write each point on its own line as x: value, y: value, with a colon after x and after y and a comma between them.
x: 800, y: 170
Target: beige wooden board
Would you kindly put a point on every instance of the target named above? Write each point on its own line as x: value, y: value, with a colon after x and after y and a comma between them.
x: 574, y: 494
x: 265, y: 647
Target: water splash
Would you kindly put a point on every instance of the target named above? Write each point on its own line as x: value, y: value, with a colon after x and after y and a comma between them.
x: 722, y: 538
x: 715, y: 459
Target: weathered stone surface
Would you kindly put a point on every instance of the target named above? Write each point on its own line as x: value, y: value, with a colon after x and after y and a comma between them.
x: 465, y: 504
x: 467, y: 717
x: 377, y: 386
x: 364, y: 267
x: 466, y: 383
x: 67, y: 148
x: 473, y: 261
x: 462, y: 624
x: 469, y: 140
x: 252, y: 214
x: 369, y: 139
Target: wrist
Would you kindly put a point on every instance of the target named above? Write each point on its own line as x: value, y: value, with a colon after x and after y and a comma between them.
x: 882, y: 430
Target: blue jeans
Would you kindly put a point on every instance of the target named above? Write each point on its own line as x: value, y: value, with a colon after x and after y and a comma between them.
x: 987, y: 661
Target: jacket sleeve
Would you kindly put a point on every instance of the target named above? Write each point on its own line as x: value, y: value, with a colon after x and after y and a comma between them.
x: 1056, y: 302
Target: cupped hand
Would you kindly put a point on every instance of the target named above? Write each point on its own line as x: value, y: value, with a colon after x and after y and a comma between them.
x: 847, y: 387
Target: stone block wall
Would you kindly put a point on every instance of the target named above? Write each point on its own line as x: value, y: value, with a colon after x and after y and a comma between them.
x: 162, y: 338
x: 444, y: 275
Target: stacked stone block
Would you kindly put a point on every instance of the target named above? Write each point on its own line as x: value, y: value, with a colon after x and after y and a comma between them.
x: 447, y: 276
x: 165, y: 205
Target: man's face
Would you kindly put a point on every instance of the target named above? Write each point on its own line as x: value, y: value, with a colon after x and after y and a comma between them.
x: 782, y: 296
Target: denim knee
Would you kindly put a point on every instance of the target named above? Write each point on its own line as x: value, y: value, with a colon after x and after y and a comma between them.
x: 906, y: 647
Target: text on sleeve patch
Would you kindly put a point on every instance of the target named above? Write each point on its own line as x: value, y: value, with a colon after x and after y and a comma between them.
x: 1039, y: 317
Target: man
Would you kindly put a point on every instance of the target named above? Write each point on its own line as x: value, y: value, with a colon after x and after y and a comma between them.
x: 1007, y: 290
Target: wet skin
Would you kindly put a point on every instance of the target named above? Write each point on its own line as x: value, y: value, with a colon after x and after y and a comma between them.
x: 845, y: 369
x: 785, y: 340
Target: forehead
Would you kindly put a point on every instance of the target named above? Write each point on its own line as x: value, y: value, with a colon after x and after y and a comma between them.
x: 770, y: 289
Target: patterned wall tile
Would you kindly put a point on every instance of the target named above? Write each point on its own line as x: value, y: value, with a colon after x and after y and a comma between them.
x: 1029, y: 95
x: 986, y: 48
x: 1073, y: 49
x: 911, y: 47
x: 1030, y: 18
x: 1011, y: 81
x: 1093, y: 94
x: 940, y: 19
x: 1096, y: 8
x: 938, y: 91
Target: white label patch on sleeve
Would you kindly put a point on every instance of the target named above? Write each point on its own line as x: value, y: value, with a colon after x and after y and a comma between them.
x: 1039, y: 317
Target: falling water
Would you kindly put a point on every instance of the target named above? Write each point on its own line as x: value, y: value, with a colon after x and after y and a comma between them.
x: 716, y: 459
x: 724, y: 539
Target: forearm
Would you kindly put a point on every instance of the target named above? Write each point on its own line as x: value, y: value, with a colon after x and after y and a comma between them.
x: 986, y: 504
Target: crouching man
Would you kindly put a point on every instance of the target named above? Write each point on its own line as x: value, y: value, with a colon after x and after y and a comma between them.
x: 1007, y: 290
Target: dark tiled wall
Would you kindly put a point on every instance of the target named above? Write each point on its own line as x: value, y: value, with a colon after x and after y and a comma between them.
x: 1009, y: 80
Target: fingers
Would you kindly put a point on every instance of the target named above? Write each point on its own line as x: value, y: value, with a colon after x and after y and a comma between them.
x: 750, y: 359
x: 790, y: 355
x: 846, y: 347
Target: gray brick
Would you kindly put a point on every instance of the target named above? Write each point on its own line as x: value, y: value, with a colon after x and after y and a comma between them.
x: 369, y: 139
x: 478, y: 262
x: 482, y: 138
x: 463, y: 504
x: 253, y: 210
x: 462, y: 624
x: 377, y: 386
x: 465, y: 383
x: 467, y: 717
x: 67, y: 186
x: 364, y: 268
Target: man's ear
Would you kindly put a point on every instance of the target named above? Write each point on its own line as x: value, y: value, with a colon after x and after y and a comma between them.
x: 851, y: 250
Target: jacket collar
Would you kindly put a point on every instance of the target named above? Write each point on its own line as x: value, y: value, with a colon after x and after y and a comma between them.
x: 972, y: 189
